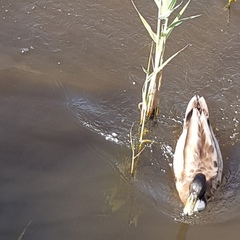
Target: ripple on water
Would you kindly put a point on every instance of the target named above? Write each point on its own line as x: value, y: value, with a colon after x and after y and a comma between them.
x: 158, y: 185
x: 154, y: 172
x: 109, y: 121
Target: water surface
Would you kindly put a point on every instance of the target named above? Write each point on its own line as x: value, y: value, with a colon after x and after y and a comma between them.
x: 70, y: 83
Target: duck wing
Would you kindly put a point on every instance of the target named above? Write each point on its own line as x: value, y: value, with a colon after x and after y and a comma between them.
x: 186, y: 149
x: 210, y: 154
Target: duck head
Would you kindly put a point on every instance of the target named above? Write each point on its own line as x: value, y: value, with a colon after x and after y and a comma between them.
x: 196, y: 201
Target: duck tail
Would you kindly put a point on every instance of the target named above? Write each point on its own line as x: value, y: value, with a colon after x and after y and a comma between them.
x: 203, y: 106
x: 198, y: 103
x: 193, y: 103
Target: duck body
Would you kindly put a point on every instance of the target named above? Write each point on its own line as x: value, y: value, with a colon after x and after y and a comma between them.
x: 197, y: 162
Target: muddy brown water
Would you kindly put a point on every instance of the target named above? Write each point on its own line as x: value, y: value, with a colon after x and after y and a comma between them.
x: 70, y: 82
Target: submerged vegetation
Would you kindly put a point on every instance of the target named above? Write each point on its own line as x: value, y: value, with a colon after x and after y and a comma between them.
x: 227, y: 7
x: 229, y: 4
x: 149, y: 106
x: 24, y: 231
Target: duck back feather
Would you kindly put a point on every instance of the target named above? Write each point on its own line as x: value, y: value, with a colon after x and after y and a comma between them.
x: 197, y: 150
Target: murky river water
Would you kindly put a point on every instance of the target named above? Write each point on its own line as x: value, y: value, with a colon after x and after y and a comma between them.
x: 70, y: 82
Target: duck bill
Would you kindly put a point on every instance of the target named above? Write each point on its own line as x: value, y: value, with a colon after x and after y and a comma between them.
x: 190, y: 204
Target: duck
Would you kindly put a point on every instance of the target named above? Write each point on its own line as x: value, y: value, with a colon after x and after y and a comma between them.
x: 197, y: 161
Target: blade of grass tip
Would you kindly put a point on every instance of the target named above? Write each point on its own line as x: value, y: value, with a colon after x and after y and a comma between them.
x: 183, y: 9
x: 170, y: 58
x: 146, y: 25
x: 168, y: 8
x: 172, y: 4
x: 177, y: 23
x: 24, y: 231
x: 158, y: 3
x: 167, y: 61
x: 177, y: 18
x: 176, y: 7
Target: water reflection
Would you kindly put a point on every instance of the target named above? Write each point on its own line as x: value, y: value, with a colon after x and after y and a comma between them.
x: 182, y: 231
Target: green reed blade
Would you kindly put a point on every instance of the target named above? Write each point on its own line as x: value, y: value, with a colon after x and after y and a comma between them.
x: 177, y: 21
x: 146, y: 25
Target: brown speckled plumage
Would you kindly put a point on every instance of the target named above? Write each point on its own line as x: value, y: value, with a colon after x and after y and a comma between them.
x: 197, y: 151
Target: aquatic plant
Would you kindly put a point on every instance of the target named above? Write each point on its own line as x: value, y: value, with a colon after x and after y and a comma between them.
x: 227, y: 7
x: 229, y: 4
x: 149, y: 106
x: 24, y: 231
